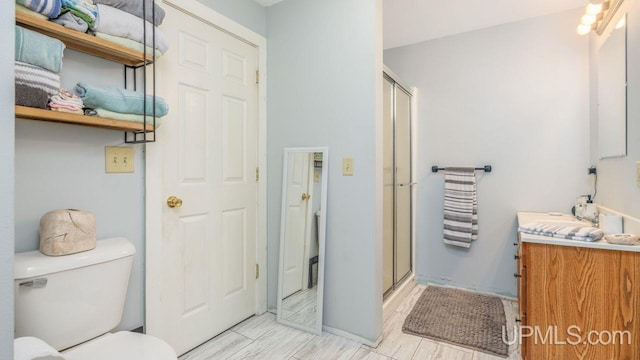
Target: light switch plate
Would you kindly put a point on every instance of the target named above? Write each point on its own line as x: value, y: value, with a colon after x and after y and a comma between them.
x: 347, y: 166
x: 638, y: 174
x: 118, y: 159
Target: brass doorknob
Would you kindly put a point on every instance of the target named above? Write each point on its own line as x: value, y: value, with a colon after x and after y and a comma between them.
x: 174, y: 202
x: 306, y: 196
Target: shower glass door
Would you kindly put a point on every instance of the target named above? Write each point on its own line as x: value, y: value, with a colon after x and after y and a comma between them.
x: 403, y: 184
x: 388, y: 196
x: 397, y: 185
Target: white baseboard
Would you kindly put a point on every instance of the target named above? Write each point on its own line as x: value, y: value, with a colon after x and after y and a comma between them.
x: 394, y: 300
x: 434, y: 283
x: 351, y: 336
x: 344, y: 334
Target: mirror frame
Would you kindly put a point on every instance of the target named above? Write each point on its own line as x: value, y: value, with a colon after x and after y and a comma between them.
x: 617, y: 10
x: 317, y: 329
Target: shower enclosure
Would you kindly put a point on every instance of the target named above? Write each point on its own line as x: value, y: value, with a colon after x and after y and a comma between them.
x: 398, y: 187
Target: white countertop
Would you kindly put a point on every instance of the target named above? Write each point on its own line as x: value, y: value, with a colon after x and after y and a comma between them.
x: 529, y: 217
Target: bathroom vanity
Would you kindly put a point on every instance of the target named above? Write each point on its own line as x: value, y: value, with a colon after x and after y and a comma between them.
x: 577, y: 299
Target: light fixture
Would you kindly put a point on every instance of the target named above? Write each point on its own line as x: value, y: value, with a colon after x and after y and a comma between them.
x: 594, y: 8
x: 584, y: 29
x: 597, y: 15
x: 588, y: 19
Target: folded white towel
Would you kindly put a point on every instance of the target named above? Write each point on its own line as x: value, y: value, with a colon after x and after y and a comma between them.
x: 116, y: 22
x: 584, y: 233
x: 31, y: 348
x: 460, y: 207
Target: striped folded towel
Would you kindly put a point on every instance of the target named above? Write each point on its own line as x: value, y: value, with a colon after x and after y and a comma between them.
x: 460, y: 207
x: 48, y: 8
x: 584, y: 233
x: 37, y: 77
x: 31, y: 97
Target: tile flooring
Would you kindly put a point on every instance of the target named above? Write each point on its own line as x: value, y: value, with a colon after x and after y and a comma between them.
x: 261, y: 338
x: 300, y: 307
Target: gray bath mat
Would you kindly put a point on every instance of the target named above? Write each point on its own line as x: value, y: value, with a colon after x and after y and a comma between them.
x: 461, y: 318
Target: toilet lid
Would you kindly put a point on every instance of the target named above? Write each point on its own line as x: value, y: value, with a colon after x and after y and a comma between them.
x: 123, y: 345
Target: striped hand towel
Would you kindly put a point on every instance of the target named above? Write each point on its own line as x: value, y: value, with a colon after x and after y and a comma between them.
x: 584, y: 233
x: 460, y: 206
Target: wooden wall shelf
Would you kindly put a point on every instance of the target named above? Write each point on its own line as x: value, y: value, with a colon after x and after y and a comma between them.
x: 82, y: 42
x: 28, y: 113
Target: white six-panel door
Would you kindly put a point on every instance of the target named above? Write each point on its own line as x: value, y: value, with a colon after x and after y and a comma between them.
x: 209, y: 140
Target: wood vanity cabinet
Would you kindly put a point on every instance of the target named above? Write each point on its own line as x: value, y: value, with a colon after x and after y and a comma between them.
x: 578, y: 303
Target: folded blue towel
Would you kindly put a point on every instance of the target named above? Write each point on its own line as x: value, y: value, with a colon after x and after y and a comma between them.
x: 48, y: 8
x: 119, y: 100
x: 39, y: 50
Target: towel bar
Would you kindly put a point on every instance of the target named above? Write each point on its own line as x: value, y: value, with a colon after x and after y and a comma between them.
x: 486, y: 168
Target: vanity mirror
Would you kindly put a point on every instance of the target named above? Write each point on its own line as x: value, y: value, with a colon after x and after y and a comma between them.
x: 302, y: 238
x: 612, y: 85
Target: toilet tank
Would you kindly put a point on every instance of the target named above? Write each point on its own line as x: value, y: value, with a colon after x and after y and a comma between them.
x: 66, y: 300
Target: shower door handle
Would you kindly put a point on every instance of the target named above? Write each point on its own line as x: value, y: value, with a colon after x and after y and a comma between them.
x: 407, y: 184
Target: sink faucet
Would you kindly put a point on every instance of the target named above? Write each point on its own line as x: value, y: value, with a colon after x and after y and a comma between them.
x: 593, y: 221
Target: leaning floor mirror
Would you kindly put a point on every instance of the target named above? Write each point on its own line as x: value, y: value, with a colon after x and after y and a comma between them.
x: 302, y: 238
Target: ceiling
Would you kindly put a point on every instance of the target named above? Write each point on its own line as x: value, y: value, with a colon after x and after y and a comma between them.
x: 267, y: 2
x: 413, y: 21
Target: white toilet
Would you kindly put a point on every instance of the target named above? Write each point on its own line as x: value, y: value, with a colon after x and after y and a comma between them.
x: 72, y: 302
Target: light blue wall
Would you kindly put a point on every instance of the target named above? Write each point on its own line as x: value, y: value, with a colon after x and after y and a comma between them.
x: 616, y: 177
x: 246, y: 12
x: 322, y: 81
x: 6, y: 180
x: 62, y: 166
x: 513, y: 96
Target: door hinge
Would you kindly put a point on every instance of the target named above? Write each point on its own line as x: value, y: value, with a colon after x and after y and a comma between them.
x: 257, y: 271
x: 257, y: 174
x: 257, y: 76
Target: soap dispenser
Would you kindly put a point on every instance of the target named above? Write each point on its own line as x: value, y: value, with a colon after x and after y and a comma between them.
x: 579, y: 209
x: 590, y: 210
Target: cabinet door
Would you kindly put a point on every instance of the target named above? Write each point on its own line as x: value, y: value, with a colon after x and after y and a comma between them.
x: 580, y: 302
x: 622, y: 300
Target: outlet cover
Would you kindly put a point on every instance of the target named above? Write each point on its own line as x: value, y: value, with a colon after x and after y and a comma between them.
x: 118, y: 159
x: 347, y: 166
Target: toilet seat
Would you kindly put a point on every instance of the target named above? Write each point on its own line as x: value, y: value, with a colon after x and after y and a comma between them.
x: 123, y: 345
